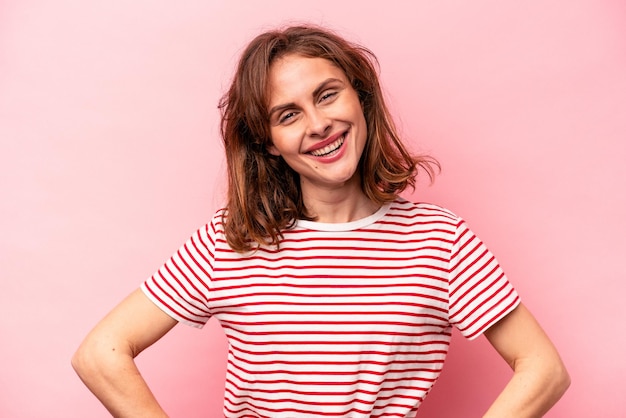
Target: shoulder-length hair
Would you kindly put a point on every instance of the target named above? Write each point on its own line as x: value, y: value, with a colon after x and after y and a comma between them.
x: 264, y: 195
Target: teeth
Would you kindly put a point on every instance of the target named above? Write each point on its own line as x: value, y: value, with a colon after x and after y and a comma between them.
x: 329, y: 148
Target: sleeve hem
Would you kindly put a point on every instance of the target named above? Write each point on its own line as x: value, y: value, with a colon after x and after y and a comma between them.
x: 494, y: 320
x: 154, y: 299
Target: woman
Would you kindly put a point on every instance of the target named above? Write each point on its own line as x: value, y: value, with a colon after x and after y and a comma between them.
x: 336, y: 295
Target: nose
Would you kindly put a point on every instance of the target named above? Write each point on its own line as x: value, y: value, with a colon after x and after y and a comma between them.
x: 318, y: 123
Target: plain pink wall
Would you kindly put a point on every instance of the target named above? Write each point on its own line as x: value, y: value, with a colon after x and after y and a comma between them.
x: 110, y: 158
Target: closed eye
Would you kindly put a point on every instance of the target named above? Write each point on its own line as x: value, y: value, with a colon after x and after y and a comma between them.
x: 328, y: 95
x: 286, y: 117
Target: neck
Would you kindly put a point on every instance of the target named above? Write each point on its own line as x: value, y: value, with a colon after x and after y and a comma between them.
x: 339, y: 205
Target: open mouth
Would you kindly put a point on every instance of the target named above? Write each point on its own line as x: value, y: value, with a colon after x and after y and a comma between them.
x: 330, y: 149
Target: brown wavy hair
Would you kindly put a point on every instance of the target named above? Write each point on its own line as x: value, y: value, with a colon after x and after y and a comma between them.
x: 264, y: 195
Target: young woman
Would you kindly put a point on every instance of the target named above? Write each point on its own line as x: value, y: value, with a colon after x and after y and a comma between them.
x: 336, y: 295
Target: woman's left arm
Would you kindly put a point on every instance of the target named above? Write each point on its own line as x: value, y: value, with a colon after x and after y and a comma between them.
x: 539, y: 377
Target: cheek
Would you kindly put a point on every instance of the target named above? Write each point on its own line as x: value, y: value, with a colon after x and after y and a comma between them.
x: 283, y: 142
x: 363, y: 124
x: 359, y: 115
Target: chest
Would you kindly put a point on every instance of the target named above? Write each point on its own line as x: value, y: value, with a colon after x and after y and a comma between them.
x: 335, y: 292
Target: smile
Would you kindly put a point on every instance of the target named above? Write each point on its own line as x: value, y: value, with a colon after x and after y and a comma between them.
x: 330, y: 148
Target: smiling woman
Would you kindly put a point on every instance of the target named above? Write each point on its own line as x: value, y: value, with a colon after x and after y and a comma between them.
x: 320, y: 132
x: 337, y: 296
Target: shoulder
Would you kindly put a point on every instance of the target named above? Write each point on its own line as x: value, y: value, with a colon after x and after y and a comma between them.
x: 403, y: 208
x: 420, y: 221
x: 211, y: 231
x: 216, y: 224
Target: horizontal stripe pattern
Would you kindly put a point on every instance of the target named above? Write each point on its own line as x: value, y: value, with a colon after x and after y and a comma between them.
x: 344, y: 320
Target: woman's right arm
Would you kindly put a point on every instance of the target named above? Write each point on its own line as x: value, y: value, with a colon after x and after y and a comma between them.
x: 105, y: 359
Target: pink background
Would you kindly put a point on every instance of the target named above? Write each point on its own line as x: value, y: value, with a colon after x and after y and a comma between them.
x: 110, y: 159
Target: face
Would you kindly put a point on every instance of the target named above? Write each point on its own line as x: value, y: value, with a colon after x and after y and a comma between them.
x: 316, y: 122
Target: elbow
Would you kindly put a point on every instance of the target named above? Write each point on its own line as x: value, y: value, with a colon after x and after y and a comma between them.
x: 83, y: 361
x: 564, y: 380
x: 100, y: 358
x: 91, y: 360
x: 560, y: 380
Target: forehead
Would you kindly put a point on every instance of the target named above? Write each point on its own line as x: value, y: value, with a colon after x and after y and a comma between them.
x: 295, y: 76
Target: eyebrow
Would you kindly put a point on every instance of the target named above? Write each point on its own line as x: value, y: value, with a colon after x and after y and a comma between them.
x: 323, y: 85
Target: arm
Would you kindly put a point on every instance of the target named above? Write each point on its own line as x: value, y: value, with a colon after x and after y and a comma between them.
x: 539, y: 377
x: 105, y: 359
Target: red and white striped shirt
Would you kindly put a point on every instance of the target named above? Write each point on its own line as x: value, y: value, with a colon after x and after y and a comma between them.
x: 344, y: 320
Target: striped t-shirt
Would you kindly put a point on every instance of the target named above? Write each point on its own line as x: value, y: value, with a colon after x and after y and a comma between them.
x: 345, y: 319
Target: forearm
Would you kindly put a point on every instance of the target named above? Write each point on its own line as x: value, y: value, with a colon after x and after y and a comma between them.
x: 539, y: 375
x: 115, y: 380
x: 531, y: 392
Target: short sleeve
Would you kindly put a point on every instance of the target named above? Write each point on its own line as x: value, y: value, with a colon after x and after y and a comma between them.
x: 479, y: 292
x: 182, y: 286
